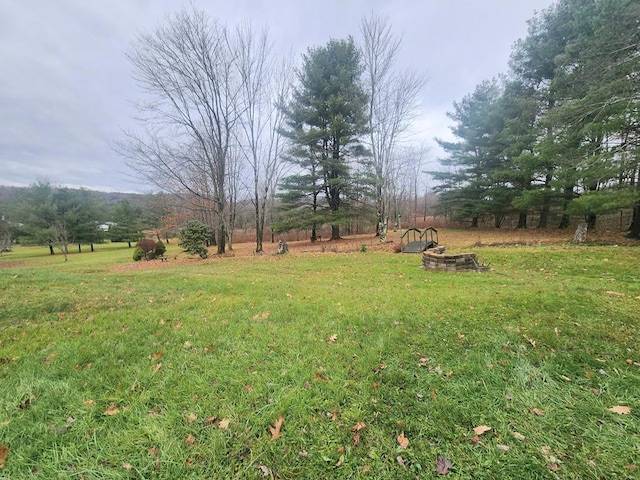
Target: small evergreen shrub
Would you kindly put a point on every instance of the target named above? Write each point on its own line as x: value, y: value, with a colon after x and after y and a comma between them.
x: 160, y: 249
x: 193, y: 237
x: 138, y: 254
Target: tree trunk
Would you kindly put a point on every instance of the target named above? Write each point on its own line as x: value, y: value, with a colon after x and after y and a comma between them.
x: 474, y: 222
x: 382, y: 229
x: 634, y: 230
x: 335, y: 232
x: 51, y: 250
x: 221, y: 235
x: 522, y: 220
x: 79, y: 248
x: 567, y: 197
x: 259, y: 219
x: 546, y: 203
x: 591, y: 222
x: 92, y: 247
x: 129, y: 242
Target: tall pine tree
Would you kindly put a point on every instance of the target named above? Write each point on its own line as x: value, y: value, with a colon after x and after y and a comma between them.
x: 325, y: 122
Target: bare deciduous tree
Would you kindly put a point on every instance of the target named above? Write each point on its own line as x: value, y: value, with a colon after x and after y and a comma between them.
x: 188, y: 70
x: 59, y: 237
x: 393, y: 98
x: 265, y: 88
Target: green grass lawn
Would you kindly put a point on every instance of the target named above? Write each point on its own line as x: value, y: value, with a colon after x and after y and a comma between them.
x: 374, y: 366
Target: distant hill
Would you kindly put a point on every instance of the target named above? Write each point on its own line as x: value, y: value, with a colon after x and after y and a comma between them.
x: 9, y: 194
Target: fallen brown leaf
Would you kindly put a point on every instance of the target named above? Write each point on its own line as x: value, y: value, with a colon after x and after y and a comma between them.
x: 403, y: 441
x: 615, y: 294
x: 157, y: 367
x: 89, y: 403
x: 481, y: 429
x: 554, y: 467
x: 50, y: 358
x: 333, y: 338
x: 190, y: 440
x: 504, y: 448
x: 519, y: 436
x: 320, y: 376
x: 400, y: 461
x: 620, y: 409
x: 210, y: 421
x: 356, y: 439
x: 358, y: 426
x: 192, y: 417
x: 4, y: 453
x: 155, y: 356
x: 275, y: 429
x: 537, y: 412
x: 224, y: 424
x: 443, y: 465
x: 112, y: 410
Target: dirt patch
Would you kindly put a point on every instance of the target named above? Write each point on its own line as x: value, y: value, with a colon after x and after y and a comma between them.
x: 454, y: 240
x: 10, y: 264
x: 303, y: 247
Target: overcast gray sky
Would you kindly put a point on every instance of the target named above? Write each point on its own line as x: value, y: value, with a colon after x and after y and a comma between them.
x: 66, y: 87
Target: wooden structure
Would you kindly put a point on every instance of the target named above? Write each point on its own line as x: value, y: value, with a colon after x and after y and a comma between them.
x: 415, y: 240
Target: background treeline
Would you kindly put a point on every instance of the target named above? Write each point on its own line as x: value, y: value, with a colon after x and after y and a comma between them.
x: 251, y: 144
x: 558, y: 135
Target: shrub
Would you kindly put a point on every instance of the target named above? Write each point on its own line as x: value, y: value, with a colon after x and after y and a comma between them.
x: 193, y: 237
x: 160, y: 249
x: 138, y: 254
x: 147, y: 245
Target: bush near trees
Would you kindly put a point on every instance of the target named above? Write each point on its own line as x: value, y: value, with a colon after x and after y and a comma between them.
x: 149, y: 249
x: 193, y: 238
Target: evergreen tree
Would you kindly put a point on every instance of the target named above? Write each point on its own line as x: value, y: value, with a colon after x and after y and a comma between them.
x: 469, y: 189
x: 126, y: 223
x: 325, y: 121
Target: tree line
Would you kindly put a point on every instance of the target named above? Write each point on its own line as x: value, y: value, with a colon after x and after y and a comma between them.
x: 60, y: 217
x: 224, y: 120
x: 559, y: 133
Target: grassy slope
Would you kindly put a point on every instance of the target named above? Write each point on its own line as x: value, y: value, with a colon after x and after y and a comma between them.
x: 427, y: 354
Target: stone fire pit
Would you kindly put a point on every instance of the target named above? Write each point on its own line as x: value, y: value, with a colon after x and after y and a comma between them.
x: 437, y: 259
